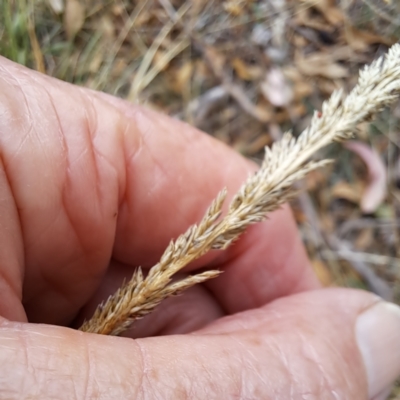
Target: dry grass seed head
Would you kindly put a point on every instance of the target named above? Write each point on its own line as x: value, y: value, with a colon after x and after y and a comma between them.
x: 286, y: 162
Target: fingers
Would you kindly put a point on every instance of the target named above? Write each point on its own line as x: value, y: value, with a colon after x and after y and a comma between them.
x: 323, y: 344
x: 91, y: 177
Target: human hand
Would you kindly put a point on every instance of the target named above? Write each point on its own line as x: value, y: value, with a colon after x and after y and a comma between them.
x: 92, y: 187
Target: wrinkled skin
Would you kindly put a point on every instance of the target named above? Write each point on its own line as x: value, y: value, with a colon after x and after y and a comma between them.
x: 92, y: 187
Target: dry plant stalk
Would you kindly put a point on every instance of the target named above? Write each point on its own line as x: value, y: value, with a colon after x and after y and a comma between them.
x: 286, y: 162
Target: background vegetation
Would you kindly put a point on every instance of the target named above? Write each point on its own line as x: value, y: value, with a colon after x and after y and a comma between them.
x: 245, y: 71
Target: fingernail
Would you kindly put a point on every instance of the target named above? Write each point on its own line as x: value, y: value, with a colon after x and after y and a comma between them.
x: 378, y: 338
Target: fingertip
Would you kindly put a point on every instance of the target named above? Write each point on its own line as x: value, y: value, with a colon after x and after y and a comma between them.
x: 377, y: 334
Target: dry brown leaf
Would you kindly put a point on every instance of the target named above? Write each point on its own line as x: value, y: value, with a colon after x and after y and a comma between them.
x: 302, y: 89
x: 346, y: 191
x: 234, y: 7
x: 303, y: 18
x: 74, y: 18
x: 330, y: 11
x: 245, y: 71
x: 299, y: 41
x: 346, y: 53
x: 375, y: 191
x: 360, y: 40
x: 321, y: 64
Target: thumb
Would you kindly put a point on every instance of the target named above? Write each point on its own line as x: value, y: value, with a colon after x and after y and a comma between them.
x: 325, y: 344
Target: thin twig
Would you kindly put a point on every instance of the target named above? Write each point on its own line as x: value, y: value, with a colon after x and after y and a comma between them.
x: 359, y: 263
